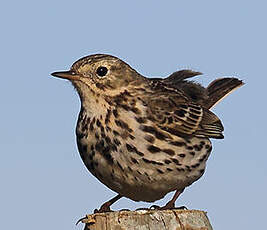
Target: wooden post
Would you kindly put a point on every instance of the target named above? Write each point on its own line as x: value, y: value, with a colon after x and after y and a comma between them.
x: 148, y: 220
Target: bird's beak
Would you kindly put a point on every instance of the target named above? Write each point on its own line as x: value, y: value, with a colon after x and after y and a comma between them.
x: 70, y: 75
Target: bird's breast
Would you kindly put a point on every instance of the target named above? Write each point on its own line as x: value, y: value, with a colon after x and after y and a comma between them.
x: 132, y: 156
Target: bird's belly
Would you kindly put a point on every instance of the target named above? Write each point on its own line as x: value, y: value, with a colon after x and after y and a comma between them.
x: 143, y: 176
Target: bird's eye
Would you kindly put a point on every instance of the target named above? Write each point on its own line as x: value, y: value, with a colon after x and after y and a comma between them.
x: 101, y: 71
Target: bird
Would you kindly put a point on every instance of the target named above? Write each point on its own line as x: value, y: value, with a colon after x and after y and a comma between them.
x: 144, y: 137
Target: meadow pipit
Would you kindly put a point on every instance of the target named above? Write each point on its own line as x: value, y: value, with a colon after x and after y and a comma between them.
x: 144, y: 137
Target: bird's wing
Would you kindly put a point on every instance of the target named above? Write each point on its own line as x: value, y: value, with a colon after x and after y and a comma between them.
x: 171, y: 110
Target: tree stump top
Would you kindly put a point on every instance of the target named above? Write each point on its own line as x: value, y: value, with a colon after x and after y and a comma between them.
x: 175, y: 219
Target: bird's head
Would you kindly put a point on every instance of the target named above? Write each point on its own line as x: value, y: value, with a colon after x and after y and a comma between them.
x: 100, y: 75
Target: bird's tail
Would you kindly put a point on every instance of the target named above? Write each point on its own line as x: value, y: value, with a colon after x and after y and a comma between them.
x: 219, y: 89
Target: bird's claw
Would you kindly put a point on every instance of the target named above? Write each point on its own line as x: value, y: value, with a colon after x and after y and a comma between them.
x: 181, y: 207
x: 142, y: 209
x: 124, y: 209
x: 156, y: 207
x: 166, y: 207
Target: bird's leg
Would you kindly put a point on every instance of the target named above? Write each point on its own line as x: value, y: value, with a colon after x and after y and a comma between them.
x: 106, y: 206
x: 171, y: 203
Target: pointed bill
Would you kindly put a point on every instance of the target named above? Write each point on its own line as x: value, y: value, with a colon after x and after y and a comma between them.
x: 70, y: 75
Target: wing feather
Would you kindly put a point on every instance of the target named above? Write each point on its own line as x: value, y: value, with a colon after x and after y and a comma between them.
x: 179, y: 116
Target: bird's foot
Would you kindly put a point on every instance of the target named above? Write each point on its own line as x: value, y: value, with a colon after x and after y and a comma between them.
x: 168, y: 206
x: 124, y: 209
x: 143, y: 209
x: 104, y: 208
x: 181, y: 207
x: 156, y: 207
x: 171, y: 203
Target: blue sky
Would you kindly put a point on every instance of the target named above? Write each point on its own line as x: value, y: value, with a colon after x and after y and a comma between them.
x: 43, y: 180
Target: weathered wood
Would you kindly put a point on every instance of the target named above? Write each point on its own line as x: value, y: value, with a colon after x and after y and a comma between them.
x: 148, y: 220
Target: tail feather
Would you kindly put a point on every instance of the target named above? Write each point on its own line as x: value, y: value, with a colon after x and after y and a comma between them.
x: 181, y: 75
x: 219, y: 89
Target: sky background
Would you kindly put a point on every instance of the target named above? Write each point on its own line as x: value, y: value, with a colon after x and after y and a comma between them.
x: 44, y: 183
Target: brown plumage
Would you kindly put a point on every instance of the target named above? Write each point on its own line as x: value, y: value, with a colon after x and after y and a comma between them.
x: 144, y: 137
